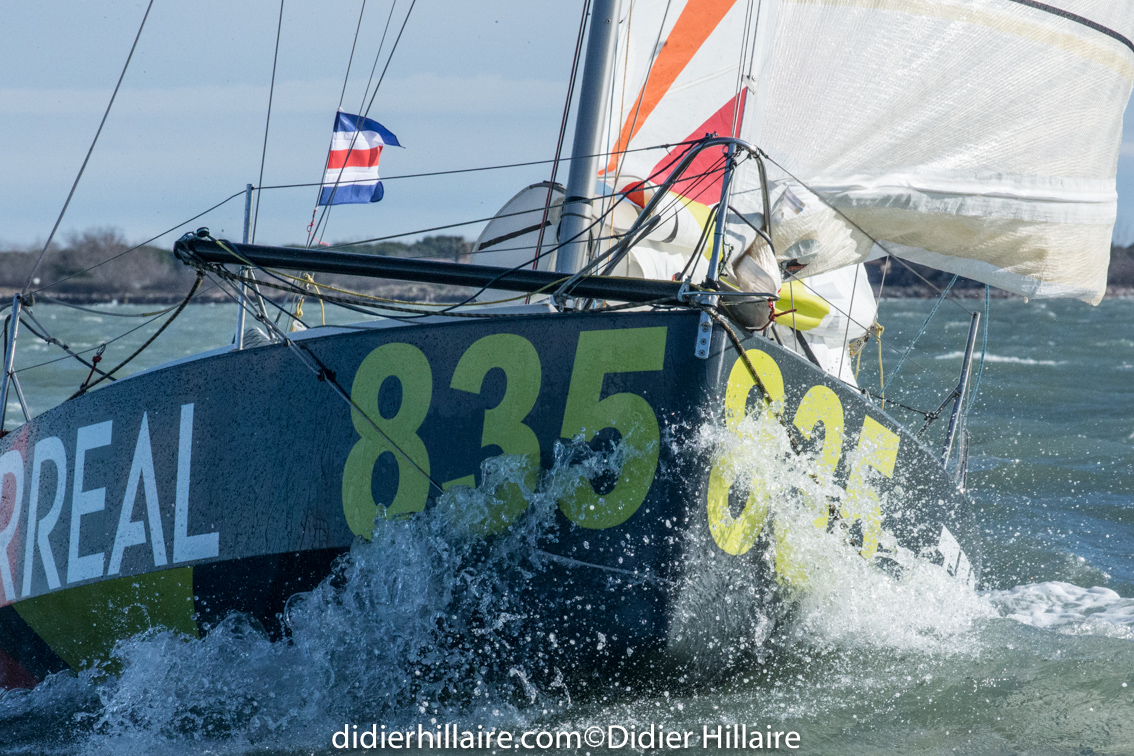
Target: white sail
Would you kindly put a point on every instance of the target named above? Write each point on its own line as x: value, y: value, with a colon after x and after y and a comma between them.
x: 681, y: 74
x: 979, y: 137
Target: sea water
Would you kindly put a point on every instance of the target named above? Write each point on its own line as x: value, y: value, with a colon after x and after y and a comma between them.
x: 1037, y: 659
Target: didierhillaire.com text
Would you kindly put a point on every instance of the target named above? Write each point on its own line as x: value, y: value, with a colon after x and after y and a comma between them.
x: 630, y: 737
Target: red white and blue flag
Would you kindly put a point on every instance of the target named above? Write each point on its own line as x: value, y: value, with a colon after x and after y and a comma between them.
x: 352, y: 167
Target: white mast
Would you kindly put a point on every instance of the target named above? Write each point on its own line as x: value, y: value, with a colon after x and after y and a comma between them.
x: 598, y: 71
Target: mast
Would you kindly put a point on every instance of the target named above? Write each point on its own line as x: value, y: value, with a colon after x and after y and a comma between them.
x: 598, y: 69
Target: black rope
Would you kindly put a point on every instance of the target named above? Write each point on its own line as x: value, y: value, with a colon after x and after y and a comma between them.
x: 120, y: 336
x: 700, y: 248
x: 86, y: 159
x: 49, y: 339
x: 1077, y: 19
x: 87, y: 386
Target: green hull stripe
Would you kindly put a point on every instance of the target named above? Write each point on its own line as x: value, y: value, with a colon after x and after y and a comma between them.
x: 82, y: 624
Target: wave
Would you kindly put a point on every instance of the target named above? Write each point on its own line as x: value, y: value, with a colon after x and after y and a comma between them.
x: 1068, y: 608
x: 1003, y: 359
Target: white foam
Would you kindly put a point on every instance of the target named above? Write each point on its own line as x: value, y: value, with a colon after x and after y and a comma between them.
x: 1001, y: 359
x: 1068, y: 608
x: 373, y: 642
x: 843, y: 600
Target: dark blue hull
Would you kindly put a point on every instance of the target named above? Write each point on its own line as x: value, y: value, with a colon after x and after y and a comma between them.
x: 243, y: 477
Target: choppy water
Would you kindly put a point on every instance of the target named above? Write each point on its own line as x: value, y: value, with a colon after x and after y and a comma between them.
x: 1038, y: 660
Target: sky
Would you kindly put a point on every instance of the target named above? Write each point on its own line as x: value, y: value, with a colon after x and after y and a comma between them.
x: 471, y: 84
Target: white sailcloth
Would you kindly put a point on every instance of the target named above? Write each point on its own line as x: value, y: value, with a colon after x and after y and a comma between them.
x: 681, y: 74
x: 979, y: 137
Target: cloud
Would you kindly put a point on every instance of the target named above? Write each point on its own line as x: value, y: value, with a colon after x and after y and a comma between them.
x: 419, y: 94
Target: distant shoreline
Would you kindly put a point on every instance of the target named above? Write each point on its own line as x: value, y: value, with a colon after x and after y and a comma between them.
x: 93, y: 268
x: 395, y: 290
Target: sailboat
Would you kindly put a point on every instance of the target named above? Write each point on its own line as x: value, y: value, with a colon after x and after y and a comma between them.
x: 735, y: 163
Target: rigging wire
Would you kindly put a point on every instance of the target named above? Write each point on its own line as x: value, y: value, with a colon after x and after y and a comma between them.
x: 501, y: 166
x: 390, y: 57
x: 342, y: 96
x: 562, y: 132
x: 120, y: 336
x: 325, y: 374
x: 641, y: 95
x: 888, y: 345
x: 83, y: 167
x: 850, y: 309
x: 924, y: 325
x: 350, y: 60
x: 192, y: 292
x: 73, y: 306
x: 314, y: 231
x: 347, y: 244
x: 268, y: 121
x: 473, y: 296
x: 749, y: 33
x: 139, y: 246
x: 597, y: 221
x: 373, y: 96
x: 607, y: 128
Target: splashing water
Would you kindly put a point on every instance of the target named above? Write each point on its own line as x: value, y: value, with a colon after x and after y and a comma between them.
x: 836, y: 597
x: 421, y: 624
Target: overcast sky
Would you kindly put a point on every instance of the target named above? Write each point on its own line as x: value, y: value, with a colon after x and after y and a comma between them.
x: 472, y: 84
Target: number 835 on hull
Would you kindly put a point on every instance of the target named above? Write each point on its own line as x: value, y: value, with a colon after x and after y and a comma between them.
x: 232, y: 481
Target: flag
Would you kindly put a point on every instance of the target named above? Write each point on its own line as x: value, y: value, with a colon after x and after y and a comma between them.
x: 352, y: 167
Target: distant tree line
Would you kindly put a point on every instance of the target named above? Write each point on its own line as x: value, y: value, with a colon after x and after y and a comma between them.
x: 909, y: 279
x: 95, y: 266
